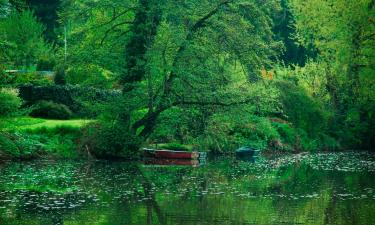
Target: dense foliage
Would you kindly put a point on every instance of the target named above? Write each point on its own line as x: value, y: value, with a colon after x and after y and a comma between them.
x: 51, y: 110
x: 83, y: 101
x: 22, y: 41
x: 286, y: 75
x: 9, y: 102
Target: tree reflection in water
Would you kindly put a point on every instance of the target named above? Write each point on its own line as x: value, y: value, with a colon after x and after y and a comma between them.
x: 332, y: 188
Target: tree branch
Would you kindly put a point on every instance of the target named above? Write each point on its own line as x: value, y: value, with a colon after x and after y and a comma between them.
x: 208, y: 103
x: 111, y: 28
x: 113, y: 19
x: 199, y: 24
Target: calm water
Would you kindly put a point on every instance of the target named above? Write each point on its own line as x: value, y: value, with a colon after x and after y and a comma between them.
x: 335, y: 188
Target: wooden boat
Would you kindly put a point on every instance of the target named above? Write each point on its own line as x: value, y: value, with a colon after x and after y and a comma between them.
x: 169, y: 154
x: 246, y: 152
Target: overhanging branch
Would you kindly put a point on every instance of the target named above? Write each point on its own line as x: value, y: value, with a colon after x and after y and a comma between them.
x: 212, y: 103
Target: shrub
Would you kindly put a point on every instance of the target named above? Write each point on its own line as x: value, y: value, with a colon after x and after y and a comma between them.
x: 179, y: 124
x: 45, y: 64
x: 55, y: 130
x: 61, y: 146
x: 89, y: 75
x: 226, y: 133
x: 288, y: 136
x: 104, y: 141
x: 83, y: 101
x: 57, y: 143
x: 29, y: 145
x: 9, y: 101
x: 51, y: 110
x: 60, y: 77
x: 7, y: 147
x: 4, y: 77
x: 21, y: 78
x: 302, y: 110
x: 328, y: 143
x: 34, y: 78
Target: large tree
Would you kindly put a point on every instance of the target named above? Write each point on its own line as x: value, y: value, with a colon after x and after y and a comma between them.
x: 175, y: 53
x: 203, y: 53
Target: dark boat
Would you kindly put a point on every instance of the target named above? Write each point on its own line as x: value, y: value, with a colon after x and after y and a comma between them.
x: 169, y: 154
x: 246, y: 151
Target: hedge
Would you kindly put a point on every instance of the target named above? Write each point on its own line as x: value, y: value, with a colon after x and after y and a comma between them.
x: 76, y: 97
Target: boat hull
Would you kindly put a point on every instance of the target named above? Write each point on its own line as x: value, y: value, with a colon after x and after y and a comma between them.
x: 246, y: 152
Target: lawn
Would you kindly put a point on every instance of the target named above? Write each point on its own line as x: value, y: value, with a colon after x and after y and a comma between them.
x: 29, y: 123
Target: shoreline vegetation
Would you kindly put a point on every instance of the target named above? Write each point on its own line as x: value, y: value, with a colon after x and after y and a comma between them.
x: 36, y: 138
x: 281, y: 76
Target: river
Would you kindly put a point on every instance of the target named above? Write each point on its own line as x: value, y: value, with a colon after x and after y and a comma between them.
x: 323, y: 188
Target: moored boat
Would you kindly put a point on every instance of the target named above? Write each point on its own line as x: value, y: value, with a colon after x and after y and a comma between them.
x: 170, y: 154
x: 246, y: 152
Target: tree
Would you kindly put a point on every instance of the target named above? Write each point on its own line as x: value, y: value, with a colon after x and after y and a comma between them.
x: 196, y: 54
x: 143, y: 31
x: 284, y: 29
x: 96, y: 33
x: 46, y: 12
x: 343, y: 32
x: 22, y: 34
x: 192, y: 54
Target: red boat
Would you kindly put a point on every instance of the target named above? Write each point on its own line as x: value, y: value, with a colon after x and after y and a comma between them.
x: 169, y: 154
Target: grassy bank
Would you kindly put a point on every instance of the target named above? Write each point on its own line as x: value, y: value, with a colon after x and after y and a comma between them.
x: 26, y: 137
x: 29, y: 123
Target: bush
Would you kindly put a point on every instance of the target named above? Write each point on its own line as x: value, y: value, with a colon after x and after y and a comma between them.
x: 302, y: 110
x: 9, y: 101
x: 60, y: 77
x: 225, y: 133
x: 51, y: 110
x: 45, y: 64
x: 31, y: 145
x: 7, y: 147
x: 179, y: 124
x: 104, y: 141
x: 83, y: 101
x: 21, y: 78
x: 89, y: 75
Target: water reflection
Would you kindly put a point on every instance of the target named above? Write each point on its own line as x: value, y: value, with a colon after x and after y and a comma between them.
x: 330, y: 188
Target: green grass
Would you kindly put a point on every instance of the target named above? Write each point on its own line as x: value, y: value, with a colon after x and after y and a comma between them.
x: 27, y: 137
x: 29, y: 123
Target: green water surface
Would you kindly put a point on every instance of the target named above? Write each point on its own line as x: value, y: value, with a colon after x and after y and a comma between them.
x: 326, y: 188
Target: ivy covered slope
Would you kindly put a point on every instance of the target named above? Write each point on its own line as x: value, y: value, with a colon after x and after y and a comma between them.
x: 277, y: 75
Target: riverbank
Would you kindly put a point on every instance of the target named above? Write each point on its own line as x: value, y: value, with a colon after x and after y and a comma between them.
x: 30, y: 138
x: 24, y: 138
